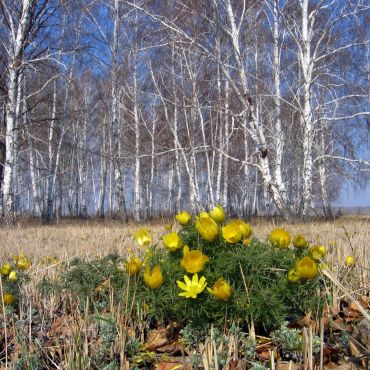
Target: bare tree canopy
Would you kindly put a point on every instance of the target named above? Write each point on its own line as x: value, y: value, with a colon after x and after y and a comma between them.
x: 142, y: 108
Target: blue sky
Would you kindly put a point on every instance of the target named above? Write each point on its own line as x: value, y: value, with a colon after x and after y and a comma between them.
x: 351, y: 197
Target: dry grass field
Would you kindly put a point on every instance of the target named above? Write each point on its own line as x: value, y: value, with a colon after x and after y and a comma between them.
x: 90, y: 238
x: 62, y: 317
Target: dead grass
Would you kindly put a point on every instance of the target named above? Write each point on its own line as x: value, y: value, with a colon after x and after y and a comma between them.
x: 90, y: 238
x: 94, y: 238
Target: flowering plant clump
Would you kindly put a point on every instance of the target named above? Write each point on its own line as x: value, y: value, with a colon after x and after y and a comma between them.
x: 203, y: 270
x: 13, y: 275
x: 212, y: 269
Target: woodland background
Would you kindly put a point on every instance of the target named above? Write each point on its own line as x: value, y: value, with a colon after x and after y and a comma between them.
x: 142, y: 108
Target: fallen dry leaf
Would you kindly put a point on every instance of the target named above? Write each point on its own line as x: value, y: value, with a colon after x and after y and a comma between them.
x: 348, y: 366
x: 156, y: 338
x: 171, y: 348
x: 165, y: 365
x: 305, y: 322
x: 286, y: 365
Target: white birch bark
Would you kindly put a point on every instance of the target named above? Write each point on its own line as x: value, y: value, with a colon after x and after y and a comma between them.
x: 256, y: 129
x: 226, y: 148
x: 279, y: 134
x: 323, y: 175
x: 17, y: 37
x: 152, y: 171
x: 137, y: 183
x: 175, y: 133
x: 103, y: 170
x: 36, y: 199
x: 306, y: 65
x: 115, y: 125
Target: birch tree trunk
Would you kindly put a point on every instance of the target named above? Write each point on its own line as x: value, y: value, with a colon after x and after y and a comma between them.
x: 115, y: 125
x: 279, y: 134
x: 175, y: 132
x: 256, y: 129
x: 18, y: 34
x: 306, y: 66
x: 103, y: 170
x: 137, y: 185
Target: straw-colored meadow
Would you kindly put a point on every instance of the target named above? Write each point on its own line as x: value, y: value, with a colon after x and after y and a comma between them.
x: 68, y: 239
x: 100, y: 314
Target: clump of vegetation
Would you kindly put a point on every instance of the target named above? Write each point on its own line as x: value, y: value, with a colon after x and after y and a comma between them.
x: 214, y: 271
x: 211, y: 271
x: 290, y: 342
x: 207, y: 286
x: 14, y: 274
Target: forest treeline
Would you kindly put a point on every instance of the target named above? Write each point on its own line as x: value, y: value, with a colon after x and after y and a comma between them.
x: 141, y: 108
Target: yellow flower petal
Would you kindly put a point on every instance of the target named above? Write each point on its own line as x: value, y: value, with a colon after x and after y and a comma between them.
x: 172, y: 241
x: 232, y: 233
x: 206, y: 227
x: 280, y: 238
x: 183, y: 217
x: 143, y: 237
x: 193, y: 261
x: 192, y: 287
x: 218, y: 213
x: 307, y: 268
x: 153, y: 279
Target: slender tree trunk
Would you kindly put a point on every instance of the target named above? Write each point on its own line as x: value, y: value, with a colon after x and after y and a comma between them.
x: 115, y: 125
x: 175, y: 134
x: 323, y: 176
x: 279, y: 134
x: 18, y: 35
x: 305, y: 61
x: 226, y: 148
x: 152, y: 170
x: 103, y: 171
x: 137, y: 185
x: 10, y: 145
x: 256, y: 128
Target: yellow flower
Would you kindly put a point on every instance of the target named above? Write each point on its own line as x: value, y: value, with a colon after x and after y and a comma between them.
x: 293, y: 276
x: 143, y: 237
x: 206, y: 227
x: 218, y: 213
x: 8, y: 298
x: 191, y: 288
x: 168, y: 227
x: 221, y: 290
x: 247, y: 242
x: 244, y: 227
x: 193, y: 261
x: 280, y: 238
x: 133, y: 266
x: 183, y: 217
x: 299, y: 241
x: 204, y: 214
x: 153, y: 279
x: 232, y: 233
x: 307, y: 268
x: 172, y: 241
x: 12, y: 276
x: 318, y: 252
x: 5, y: 269
x: 23, y: 263
x: 350, y: 261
